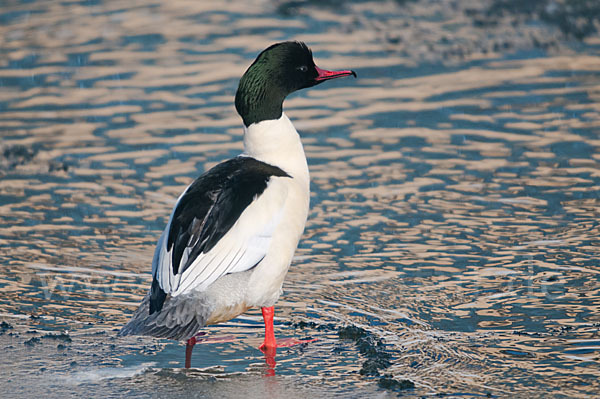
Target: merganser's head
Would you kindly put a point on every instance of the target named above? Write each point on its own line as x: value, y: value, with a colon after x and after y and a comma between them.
x: 279, y: 70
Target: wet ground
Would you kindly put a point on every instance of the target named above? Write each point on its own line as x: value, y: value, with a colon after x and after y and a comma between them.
x: 453, y: 240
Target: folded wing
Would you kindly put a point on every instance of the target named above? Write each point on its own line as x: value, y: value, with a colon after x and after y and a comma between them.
x: 222, y: 223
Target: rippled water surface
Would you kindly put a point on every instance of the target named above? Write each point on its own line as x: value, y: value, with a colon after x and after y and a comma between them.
x: 452, y: 244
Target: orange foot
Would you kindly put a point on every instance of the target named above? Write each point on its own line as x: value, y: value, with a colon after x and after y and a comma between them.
x: 270, y: 350
x: 271, y: 346
x: 288, y: 342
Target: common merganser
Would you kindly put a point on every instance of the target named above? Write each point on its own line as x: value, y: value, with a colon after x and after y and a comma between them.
x: 232, y: 233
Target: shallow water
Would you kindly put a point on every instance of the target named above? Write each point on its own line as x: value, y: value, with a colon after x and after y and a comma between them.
x: 454, y: 212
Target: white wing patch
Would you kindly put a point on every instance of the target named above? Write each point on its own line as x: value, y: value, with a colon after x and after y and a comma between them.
x: 242, y: 247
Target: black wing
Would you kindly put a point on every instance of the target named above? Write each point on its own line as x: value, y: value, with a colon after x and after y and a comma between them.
x: 205, y: 213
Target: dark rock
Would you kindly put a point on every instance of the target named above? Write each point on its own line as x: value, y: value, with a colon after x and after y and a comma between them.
x: 388, y: 382
x: 4, y: 326
x: 373, y: 349
x: 13, y: 156
x: 32, y: 341
x: 372, y: 366
x: 58, y: 167
x: 62, y: 337
x: 305, y: 324
x: 351, y: 332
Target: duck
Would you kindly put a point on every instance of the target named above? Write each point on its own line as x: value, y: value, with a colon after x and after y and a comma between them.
x: 232, y: 233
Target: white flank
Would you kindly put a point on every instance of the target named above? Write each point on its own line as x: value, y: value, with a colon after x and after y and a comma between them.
x: 267, y: 230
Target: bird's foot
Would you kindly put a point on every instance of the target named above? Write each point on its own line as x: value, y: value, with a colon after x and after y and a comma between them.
x: 269, y: 347
x: 288, y: 342
x: 270, y: 351
x: 264, y: 347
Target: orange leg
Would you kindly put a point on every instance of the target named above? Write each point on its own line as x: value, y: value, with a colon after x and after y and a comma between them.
x: 188, y: 352
x: 269, y: 346
x: 270, y: 342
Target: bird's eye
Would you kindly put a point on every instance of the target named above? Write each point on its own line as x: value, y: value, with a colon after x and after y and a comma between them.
x: 302, y: 68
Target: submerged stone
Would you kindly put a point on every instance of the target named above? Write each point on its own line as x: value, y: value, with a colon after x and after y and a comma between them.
x: 388, y: 382
x: 62, y: 337
x: 370, y: 347
x: 351, y: 332
x: 4, y: 326
x: 32, y: 341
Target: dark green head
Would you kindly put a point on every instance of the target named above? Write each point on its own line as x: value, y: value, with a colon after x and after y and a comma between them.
x: 278, y: 71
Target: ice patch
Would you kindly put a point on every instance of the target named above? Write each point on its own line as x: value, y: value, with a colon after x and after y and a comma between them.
x: 90, y: 376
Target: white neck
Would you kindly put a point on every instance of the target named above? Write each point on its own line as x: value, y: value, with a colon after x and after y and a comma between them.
x: 277, y: 143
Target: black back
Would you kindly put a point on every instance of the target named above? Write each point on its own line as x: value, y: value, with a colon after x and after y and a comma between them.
x: 209, y: 208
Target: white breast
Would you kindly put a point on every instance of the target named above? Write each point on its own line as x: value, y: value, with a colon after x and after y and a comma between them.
x: 277, y: 142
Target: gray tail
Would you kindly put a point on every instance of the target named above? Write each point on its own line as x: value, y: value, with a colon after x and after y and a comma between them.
x: 179, y: 319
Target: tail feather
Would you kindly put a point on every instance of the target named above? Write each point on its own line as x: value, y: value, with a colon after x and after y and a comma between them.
x: 180, y: 318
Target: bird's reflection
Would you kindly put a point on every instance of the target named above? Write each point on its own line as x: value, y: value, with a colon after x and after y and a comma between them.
x: 271, y: 352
